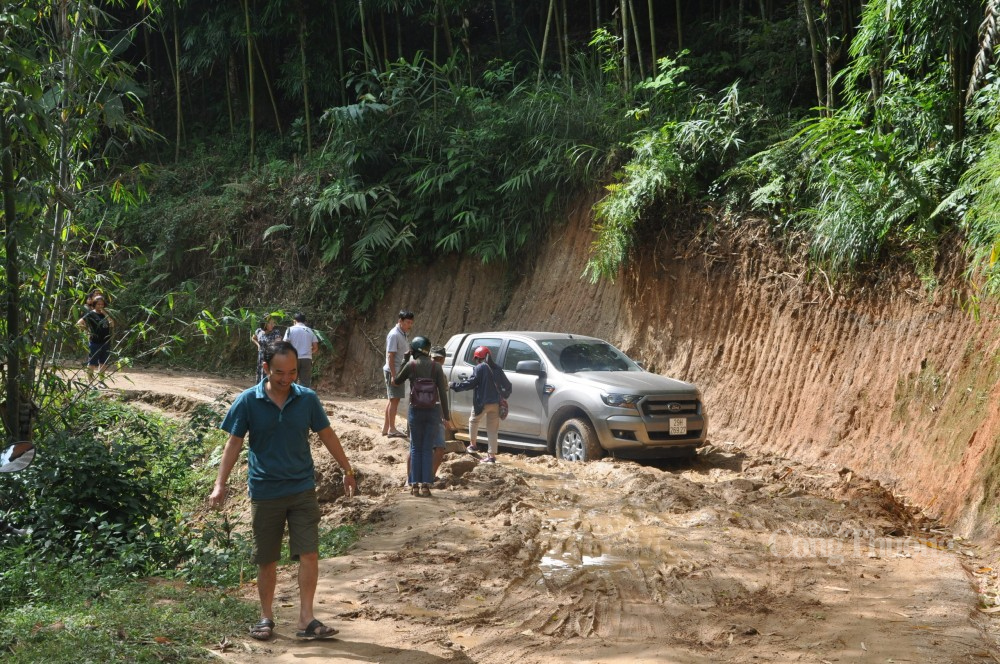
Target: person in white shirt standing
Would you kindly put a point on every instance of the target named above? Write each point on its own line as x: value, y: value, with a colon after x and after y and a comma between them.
x: 306, y: 343
x: 397, y: 347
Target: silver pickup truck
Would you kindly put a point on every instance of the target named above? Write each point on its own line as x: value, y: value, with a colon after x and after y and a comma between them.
x: 579, y: 398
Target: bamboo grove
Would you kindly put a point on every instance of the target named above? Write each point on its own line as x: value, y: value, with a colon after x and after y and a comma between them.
x: 351, y: 138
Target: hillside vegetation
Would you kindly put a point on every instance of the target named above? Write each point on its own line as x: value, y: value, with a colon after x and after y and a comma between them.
x: 310, y: 153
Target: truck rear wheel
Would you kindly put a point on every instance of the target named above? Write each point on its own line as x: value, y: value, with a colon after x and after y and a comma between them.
x: 577, y: 441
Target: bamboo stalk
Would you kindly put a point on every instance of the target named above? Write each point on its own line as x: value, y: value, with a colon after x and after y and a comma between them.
x: 305, y: 78
x: 250, y: 76
x: 652, y: 36
x: 559, y: 40
x: 626, y: 56
x: 340, y: 52
x: 814, y: 50
x: 638, y: 44
x: 270, y: 91
x: 545, y: 42
x: 565, y: 34
x: 177, y: 89
x: 680, y: 29
x: 364, y: 35
x: 496, y: 26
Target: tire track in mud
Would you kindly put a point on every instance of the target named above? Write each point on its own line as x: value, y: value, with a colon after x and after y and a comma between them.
x: 709, y: 564
x: 611, y: 571
x: 603, y: 572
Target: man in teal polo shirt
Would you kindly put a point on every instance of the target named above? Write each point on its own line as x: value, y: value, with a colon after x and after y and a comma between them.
x: 279, y: 414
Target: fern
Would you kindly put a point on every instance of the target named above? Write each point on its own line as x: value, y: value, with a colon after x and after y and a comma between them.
x: 677, y: 162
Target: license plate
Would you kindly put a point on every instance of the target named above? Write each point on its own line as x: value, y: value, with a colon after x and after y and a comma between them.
x: 678, y: 426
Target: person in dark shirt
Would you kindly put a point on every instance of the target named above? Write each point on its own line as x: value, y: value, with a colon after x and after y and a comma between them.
x: 265, y: 335
x: 278, y: 414
x: 98, y: 323
x: 425, y: 418
x: 491, y: 385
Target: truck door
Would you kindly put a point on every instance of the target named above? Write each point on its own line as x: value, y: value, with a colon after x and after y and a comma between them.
x: 461, y: 402
x: 525, y: 400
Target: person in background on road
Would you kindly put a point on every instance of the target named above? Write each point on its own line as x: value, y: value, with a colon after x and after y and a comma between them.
x: 395, y: 347
x: 425, y: 422
x: 99, y: 324
x: 306, y: 344
x: 278, y: 415
x: 89, y: 302
x: 263, y: 337
x: 489, y: 384
x: 437, y: 442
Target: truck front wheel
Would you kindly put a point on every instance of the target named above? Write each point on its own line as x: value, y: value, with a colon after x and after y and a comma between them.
x: 577, y: 441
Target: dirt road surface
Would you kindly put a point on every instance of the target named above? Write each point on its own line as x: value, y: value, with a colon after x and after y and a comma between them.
x: 734, y: 557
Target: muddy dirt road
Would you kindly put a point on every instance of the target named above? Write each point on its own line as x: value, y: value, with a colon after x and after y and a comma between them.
x: 731, y: 558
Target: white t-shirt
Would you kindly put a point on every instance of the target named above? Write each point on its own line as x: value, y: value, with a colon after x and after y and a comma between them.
x: 395, y: 342
x: 302, y: 337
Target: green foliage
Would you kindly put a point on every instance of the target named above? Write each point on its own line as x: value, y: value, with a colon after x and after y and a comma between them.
x: 374, y: 209
x: 213, y: 552
x: 420, y: 165
x: 609, y: 51
x: 336, y: 541
x: 105, y: 491
x: 457, y: 155
x: 78, y: 614
x: 863, y: 182
x: 416, y: 156
x: 908, y: 39
x: 675, y: 162
x: 979, y: 193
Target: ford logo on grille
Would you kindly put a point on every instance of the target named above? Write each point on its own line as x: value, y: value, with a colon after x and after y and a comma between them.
x: 674, y: 407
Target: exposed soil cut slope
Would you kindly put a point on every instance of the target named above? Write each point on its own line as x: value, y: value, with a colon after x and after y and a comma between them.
x: 893, y: 383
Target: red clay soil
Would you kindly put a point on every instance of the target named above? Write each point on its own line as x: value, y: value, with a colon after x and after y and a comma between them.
x: 897, y: 382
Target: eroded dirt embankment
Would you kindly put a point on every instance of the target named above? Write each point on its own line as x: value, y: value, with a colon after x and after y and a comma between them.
x: 892, y: 382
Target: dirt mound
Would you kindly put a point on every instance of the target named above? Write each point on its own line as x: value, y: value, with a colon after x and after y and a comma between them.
x: 173, y: 403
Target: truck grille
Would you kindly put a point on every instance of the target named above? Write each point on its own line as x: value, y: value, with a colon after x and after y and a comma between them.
x: 659, y: 436
x: 665, y: 407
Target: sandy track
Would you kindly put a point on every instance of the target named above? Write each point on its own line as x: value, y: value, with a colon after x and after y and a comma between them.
x: 730, y: 559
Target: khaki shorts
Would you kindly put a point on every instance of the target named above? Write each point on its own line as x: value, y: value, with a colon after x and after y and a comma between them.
x: 268, y: 518
x: 392, y: 391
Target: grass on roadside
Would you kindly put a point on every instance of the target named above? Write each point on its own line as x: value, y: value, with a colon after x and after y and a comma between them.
x: 110, y: 619
x: 78, y: 614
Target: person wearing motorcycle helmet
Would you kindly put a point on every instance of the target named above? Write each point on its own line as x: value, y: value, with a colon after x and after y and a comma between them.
x: 489, y: 384
x: 427, y: 413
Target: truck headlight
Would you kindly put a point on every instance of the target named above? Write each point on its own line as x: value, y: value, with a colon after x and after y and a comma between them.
x: 622, y: 400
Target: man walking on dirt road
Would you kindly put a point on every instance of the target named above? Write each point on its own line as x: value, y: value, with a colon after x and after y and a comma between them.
x: 278, y: 414
x: 306, y: 344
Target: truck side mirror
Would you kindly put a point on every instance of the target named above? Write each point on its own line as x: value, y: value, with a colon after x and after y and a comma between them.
x: 533, y: 367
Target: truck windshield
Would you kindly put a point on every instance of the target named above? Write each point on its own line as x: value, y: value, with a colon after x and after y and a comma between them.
x: 573, y: 355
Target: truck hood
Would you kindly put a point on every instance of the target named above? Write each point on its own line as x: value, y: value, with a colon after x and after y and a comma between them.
x: 632, y: 382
